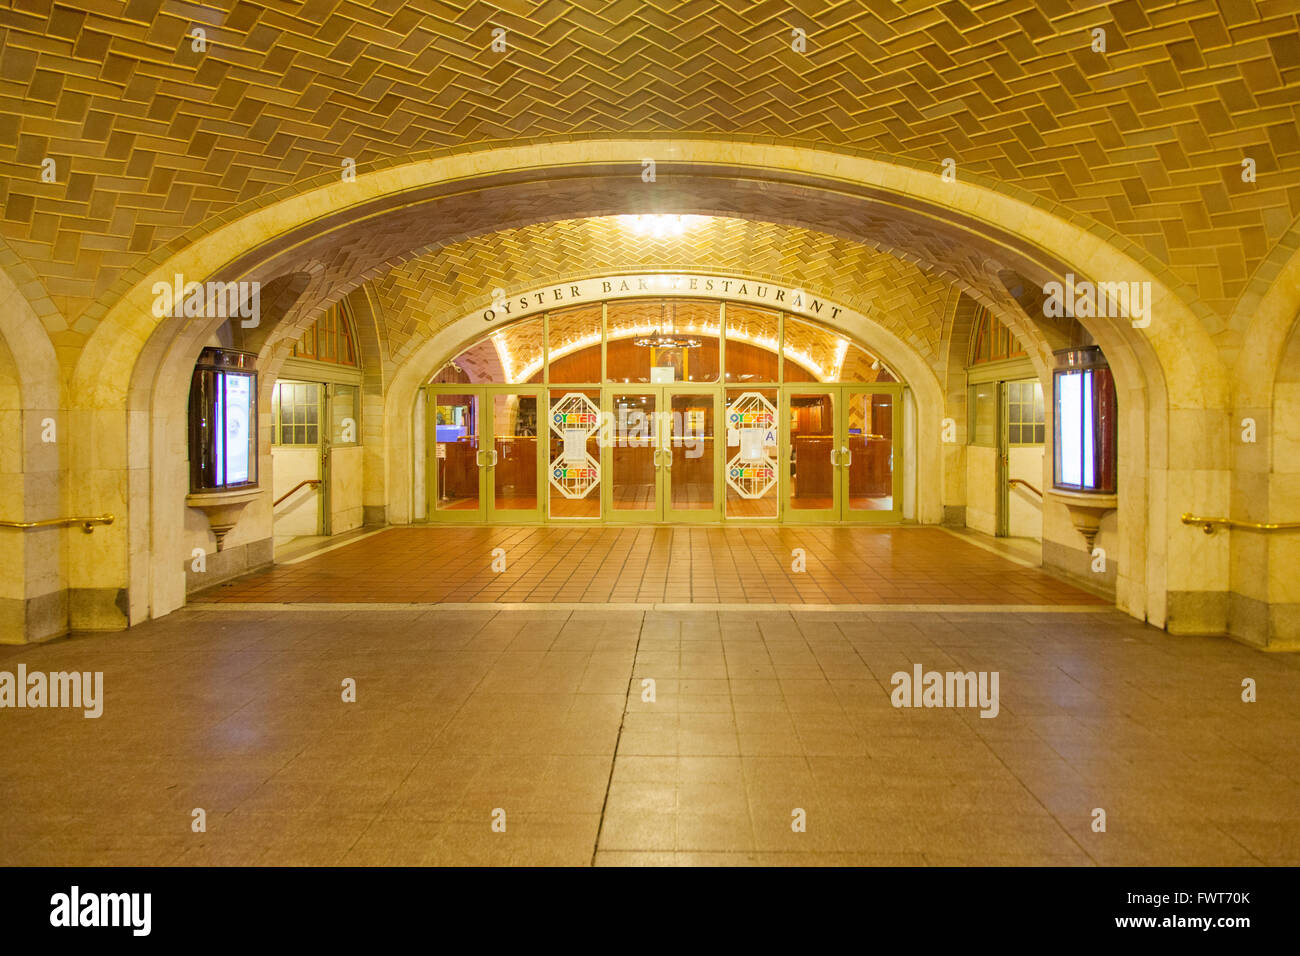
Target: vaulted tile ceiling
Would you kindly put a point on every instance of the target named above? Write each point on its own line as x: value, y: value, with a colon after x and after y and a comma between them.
x: 419, y: 297
x: 151, y: 138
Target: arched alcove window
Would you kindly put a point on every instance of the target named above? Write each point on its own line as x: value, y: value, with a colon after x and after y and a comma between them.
x: 330, y: 339
x: 991, y: 341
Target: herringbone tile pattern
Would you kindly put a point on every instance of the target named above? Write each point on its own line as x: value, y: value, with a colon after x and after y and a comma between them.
x: 151, y: 138
x: 424, y: 294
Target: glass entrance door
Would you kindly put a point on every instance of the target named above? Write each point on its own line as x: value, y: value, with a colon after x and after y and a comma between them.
x: 870, y: 440
x: 692, y: 466
x: 662, y: 455
x: 842, y: 443
x: 515, y: 473
x: 575, y: 483
x: 633, y: 455
x: 752, y: 454
x: 810, y: 483
x: 457, y: 458
x: 484, y: 461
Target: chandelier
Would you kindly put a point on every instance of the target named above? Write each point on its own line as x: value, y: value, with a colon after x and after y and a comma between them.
x: 658, y: 340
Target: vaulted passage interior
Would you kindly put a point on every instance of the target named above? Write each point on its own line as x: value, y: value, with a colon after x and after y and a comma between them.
x: 674, y: 435
x: 1181, y: 401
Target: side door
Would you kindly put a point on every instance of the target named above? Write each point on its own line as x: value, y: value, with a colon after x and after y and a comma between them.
x: 870, y: 459
x: 456, y: 476
x: 810, y: 481
x: 515, y: 476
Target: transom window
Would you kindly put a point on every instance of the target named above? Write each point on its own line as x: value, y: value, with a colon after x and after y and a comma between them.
x: 663, y: 341
x: 991, y: 341
x: 329, y: 339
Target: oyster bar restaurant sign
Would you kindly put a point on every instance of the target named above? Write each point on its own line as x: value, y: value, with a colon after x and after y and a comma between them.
x: 630, y: 286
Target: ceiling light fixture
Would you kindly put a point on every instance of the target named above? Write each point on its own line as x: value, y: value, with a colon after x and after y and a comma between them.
x: 658, y: 340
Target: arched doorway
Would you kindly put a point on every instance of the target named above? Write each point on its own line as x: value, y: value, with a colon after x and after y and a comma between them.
x: 664, y: 410
x: 1006, y: 434
x: 315, y: 432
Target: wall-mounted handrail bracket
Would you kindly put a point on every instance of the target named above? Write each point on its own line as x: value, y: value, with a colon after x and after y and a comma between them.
x: 1021, y: 481
x: 1208, y: 524
x: 302, y: 484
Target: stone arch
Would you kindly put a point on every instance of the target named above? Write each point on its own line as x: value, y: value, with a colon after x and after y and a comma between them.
x: 156, y: 426
x: 1265, y: 601
x: 1172, y: 384
x: 959, y: 327
x: 33, y: 580
x: 372, y: 340
x: 1281, y: 628
x: 1063, y: 549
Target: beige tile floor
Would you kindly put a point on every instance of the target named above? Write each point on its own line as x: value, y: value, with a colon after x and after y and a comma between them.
x: 539, y: 712
x: 654, y: 565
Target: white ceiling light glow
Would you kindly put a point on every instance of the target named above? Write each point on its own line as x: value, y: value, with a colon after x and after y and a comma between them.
x: 660, y: 226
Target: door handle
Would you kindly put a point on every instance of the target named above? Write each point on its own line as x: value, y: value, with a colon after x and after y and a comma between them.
x: 668, y: 459
x: 478, y: 458
x: 834, y: 452
x: 492, y: 462
x: 848, y: 457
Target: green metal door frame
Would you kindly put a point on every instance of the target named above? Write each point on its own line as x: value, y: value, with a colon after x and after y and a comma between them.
x: 738, y: 390
x: 1002, y: 465
x: 550, y: 395
x: 608, y: 514
x: 840, y: 394
x: 660, y: 442
x: 865, y: 516
x: 459, y: 515
x: 487, y: 443
x: 714, y: 449
x: 789, y: 514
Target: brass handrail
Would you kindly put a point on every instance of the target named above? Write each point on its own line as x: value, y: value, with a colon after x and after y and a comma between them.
x: 1207, y: 524
x: 305, y: 481
x: 1021, y: 481
x: 87, y: 524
